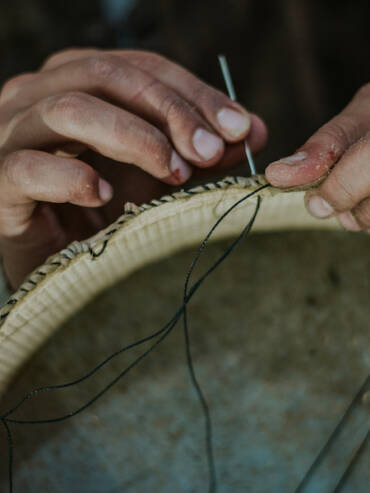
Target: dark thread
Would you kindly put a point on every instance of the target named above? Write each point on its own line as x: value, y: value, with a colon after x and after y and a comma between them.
x: 231, y: 180
x: 163, y: 329
x: 351, y: 465
x: 10, y: 454
x: 97, y: 254
x: 161, y: 334
x: 332, y: 437
x: 203, y: 402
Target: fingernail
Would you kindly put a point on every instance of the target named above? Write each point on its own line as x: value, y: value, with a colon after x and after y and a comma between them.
x: 318, y: 207
x: 348, y: 221
x: 206, y: 144
x: 179, y: 168
x: 295, y: 158
x: 105, y: 190
x: 233, y: 122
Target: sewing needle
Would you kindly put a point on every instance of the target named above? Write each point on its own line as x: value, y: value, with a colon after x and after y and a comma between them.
x: 231, y: 91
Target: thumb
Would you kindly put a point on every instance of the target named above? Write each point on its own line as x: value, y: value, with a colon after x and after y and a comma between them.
x: 321, y: 151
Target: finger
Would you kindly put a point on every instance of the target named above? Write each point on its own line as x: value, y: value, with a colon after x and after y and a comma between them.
x: 137, y: 91
x: 29, y: 176
x: 235, y: 153
x: 68, y: 55
x: 107, y: 129
x: 361, y: 216
x: 358, y: 219
x: 12, y: 87
x: 229, y: 118
x: 44, y: 236
x: 41, y: 237
x: 208, y: 100
x: 347, y: 185
x: 348, y: 221
x: 325, y: 147
x: 149, y: 61
x: 256, y: 140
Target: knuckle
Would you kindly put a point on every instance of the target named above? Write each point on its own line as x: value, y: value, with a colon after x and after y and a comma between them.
x: 335, y: 137
x: 58, y: 56
x: 68, y: 106
x: 12, y: 86
x: 207, y: 96
x: 152, y: 61
x: 340, y: 132
x: 154, y: 150
x: 104, y: 67
x: 362, y: 214
x: 360, y: 151
x: 201, y: 93
x: 14, y: 166
x: 6, y: 226
x: 174, y: 107
x: 341, y: 193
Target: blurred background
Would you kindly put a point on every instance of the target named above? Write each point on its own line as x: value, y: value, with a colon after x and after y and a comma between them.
x: 296, y: 63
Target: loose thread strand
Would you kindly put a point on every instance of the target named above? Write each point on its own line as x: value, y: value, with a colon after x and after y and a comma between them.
x: 163, y: 333
x: 203, y: 402
x: 177, y: 315
x: 10, y: 454
x: 332, y: 437
x: 343, y: 480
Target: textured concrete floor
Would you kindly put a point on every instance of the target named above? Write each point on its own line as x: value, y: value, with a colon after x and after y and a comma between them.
x: 281, y: 342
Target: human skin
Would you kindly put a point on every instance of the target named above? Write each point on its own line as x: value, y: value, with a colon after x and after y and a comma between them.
x: 68, y: 132
x: 111, y: 108
x: 340, y: 149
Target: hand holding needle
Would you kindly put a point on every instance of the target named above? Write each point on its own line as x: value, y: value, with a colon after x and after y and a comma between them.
x: 231, y: 91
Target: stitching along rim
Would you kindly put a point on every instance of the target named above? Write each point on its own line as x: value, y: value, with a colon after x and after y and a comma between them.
x: 55, y: 290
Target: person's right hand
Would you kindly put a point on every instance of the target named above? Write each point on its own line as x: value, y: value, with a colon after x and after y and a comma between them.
x: 339, y: 154
x: 124, y: 107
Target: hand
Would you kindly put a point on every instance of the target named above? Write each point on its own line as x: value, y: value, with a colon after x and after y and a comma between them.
x: 108, y: 108
x: 343, y: 147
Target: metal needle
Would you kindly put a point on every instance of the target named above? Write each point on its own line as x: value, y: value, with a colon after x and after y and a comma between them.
x: 231, y: 91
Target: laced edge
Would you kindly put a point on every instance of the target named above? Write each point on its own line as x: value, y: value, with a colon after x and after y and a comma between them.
x: 97, y: 243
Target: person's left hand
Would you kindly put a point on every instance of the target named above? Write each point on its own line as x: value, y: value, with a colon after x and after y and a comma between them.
x: 342, y: 146
x: 108, y: 108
